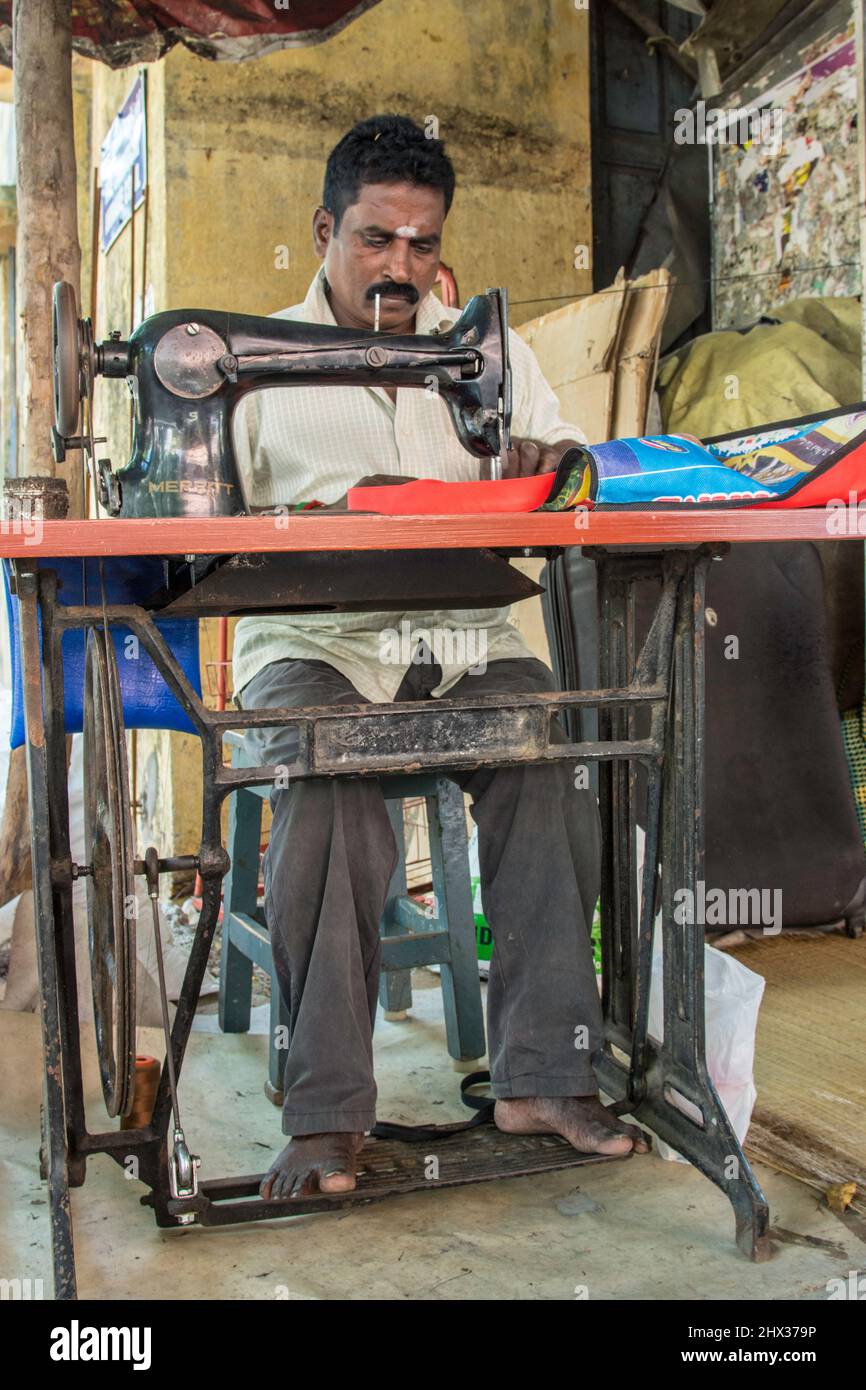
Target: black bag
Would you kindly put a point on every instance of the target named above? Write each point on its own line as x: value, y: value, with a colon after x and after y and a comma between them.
x: 779, y: 811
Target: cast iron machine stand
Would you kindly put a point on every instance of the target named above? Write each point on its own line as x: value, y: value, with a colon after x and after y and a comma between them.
x: 645, y: 1077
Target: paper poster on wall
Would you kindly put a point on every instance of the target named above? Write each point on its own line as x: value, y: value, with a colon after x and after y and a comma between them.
x: 123, y: 156
x: 785, y: 224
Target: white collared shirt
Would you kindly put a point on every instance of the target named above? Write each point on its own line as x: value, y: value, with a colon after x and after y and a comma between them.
x: 300, y: 443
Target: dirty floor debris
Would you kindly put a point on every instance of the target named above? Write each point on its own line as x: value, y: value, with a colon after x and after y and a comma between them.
x: 643, y: 1229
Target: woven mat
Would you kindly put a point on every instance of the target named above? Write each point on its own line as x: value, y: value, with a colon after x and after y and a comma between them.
x: 810, y: 1063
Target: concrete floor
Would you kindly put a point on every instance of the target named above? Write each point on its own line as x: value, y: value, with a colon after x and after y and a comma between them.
x: 640, y: 1229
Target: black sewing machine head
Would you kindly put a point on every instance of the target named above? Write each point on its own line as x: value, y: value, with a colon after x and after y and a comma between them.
x: 188, y: 369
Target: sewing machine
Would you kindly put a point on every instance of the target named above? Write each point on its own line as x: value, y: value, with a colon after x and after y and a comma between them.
x: 189, y: 369
x: 186, y: 385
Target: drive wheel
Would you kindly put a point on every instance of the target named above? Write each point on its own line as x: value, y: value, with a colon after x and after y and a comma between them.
x: 111, y: 897
x: 67, y: 346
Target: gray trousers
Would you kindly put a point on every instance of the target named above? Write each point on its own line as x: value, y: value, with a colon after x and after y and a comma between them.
x: 326, y: 872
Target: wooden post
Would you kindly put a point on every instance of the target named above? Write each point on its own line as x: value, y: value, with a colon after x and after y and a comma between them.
x: 47, y: 250
x: 860, y: 35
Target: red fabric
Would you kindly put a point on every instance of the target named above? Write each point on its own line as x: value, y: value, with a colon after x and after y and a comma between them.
x: 834, y: 484
x: 236, y: 17
x: 130, y: 31
x: 430, y: 497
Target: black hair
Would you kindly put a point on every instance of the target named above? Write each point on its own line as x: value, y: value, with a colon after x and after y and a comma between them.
x: 384, y: 149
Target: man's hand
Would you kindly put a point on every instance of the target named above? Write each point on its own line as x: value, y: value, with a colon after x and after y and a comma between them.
x: 525, y: 458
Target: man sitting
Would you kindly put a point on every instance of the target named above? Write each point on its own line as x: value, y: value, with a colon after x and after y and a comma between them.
x: 387, y: 192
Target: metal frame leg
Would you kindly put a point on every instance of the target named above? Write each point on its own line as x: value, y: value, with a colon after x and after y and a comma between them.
x: 214, y: 863
x: 678, y: 1066
x: 662, y: 1074
x: 35, y: 671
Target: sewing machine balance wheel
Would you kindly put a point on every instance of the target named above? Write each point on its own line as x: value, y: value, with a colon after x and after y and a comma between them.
x: 68, y: 345
x: 111, y: 900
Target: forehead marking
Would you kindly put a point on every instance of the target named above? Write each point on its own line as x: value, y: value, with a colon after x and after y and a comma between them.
x: 406, y: 231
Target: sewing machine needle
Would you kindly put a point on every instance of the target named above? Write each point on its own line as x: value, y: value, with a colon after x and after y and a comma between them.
x: 376, y: 323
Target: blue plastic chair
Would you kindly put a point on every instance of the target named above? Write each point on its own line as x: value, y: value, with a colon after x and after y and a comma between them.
x: 148, y: 703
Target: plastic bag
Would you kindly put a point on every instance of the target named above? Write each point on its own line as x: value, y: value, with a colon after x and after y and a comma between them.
x: 483, y: 933
x: 733, y: 996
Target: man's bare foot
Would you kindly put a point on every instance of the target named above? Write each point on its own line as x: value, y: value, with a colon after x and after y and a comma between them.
x: 582, y: 1120
x: 313, y: 1163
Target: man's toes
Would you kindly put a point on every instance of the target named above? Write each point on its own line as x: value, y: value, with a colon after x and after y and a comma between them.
x: 282, y: 1185
x: 300, y: 1185
x: 614, y: 1144
x: 272, y: 1185
x: 337, y: 1180
x: 636, y: 1135
x: 593, y: 1136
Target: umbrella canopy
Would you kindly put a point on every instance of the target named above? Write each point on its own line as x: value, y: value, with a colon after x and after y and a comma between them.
x: 142, y: 31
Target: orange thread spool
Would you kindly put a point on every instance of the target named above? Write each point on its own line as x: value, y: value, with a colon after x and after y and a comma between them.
x: 147, y: 1073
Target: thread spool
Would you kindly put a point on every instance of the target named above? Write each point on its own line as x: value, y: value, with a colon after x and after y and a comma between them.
x: 147, y: 1073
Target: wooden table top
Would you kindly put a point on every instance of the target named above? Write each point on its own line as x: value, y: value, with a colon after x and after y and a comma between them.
x: 365, y: 531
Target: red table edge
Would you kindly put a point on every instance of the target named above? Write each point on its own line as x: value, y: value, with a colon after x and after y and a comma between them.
x: 366, y: 531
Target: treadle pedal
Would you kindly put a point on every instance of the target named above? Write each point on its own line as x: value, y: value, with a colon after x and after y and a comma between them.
x: 387, y: 1168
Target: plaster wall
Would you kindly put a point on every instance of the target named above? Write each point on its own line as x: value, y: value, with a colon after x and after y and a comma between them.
x: 236, y: 155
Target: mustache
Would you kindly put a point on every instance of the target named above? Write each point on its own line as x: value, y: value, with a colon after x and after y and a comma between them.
x: 407, y: 292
